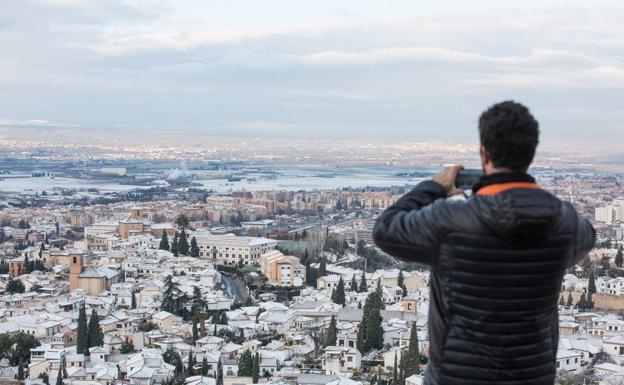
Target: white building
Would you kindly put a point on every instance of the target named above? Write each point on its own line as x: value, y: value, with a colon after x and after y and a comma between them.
x: 230, y: 249
x: 568, y: 360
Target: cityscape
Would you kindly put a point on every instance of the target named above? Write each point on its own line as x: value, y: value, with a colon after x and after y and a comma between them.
x: 189, y: 189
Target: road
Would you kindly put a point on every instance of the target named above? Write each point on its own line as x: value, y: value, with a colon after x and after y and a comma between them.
x: 235, y: 288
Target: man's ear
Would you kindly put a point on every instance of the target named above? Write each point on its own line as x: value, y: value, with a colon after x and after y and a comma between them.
x: 485, y: 156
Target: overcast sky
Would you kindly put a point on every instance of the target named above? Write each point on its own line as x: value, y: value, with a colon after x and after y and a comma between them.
x: 395, y: 69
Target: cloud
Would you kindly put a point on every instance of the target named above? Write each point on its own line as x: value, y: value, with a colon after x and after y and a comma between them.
x: 413, y: 71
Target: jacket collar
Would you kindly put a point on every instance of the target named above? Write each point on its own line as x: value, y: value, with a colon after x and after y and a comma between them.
x: 511, y: 178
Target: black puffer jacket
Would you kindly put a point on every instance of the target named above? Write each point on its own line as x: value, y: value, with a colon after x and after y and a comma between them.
x: 497, y: 262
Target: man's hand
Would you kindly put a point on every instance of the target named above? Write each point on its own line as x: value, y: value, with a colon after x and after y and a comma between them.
x: 447, y: 177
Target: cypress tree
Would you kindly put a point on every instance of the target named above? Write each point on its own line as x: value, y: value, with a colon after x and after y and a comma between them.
x: 359, y: 343
x: 204, y: 367
x: 569, y: 302
x: 183, y: 246
x: 164, y: 241
x: 330, y: 337
x: 379, y: 292
x: 401, y: 283
x: 591, y: 285
x: 619, y: 258
x: 338, y: 296
x: 194, y: 248
x: 322, y: 268
x: 256, y: 368
x: 174, y: 244
x: 412, y: 359
x: 372, y: 319
x: 354, y: 285
x: 194, y: 329
x: 96, y: 338
x: 402, y: 370
x: 245, y: 365
x: 363, y: 286
x: 82, y: 337
x: 191, y: 363
x: 590, y: 302
x: 59, y: 376
x: 20, y: 369
x: 134, y: 303
x: 395, y: 374
x: 561, y: 301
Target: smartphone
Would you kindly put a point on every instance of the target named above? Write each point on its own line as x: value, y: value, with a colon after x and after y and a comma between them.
x: 467, y: 178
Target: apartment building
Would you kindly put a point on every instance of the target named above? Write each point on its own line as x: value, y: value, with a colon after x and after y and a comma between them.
x: 282, y: 270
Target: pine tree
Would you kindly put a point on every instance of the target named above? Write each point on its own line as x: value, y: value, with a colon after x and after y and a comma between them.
x: 569, y: 302
x: 363, y: 285
x: 82, y: 337
x: 582, y: 303
x: 190, y: 365
x: 331, y: 334
x: 164, y: 241
x: 96, y: 338
x: 245, y: 365
x: 401, y: 283
x: 197, y: 302
x: 354, y: 285
x: 182, y: 221
x: 174, y: 244
x: 591, y: 285
x: 338, y: 295
x: 256, y: 369
x: 45, y: 378
x: 322, y: 268
x: 412, y: 359
x: 183, y: 246
x: 127, y: 347
x: 619, y: 258
x: 168, y: 302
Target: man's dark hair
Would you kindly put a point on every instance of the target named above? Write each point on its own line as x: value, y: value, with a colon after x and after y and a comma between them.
x: 510, y: 134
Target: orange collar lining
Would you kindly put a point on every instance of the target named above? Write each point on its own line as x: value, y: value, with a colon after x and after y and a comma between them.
x: 500, y: 187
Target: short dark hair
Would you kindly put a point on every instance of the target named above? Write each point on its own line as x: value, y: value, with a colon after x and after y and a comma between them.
x: 510, y: 134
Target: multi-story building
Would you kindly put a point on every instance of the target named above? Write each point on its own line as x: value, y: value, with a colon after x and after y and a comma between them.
x: 282, y: 270
x: 338, y: 360
x: 230, y: 249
